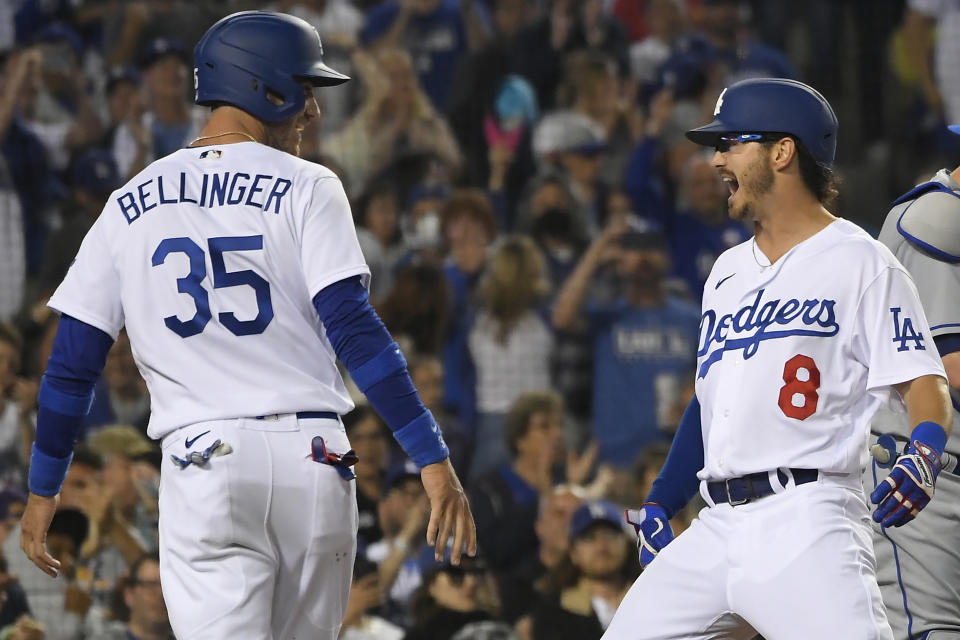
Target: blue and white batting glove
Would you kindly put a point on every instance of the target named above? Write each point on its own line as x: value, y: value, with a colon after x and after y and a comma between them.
x: 653, y: 530
x: 909, y: 487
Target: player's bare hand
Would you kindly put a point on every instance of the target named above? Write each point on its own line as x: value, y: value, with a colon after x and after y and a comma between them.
x: 449, y: 512
x: 33, y: 532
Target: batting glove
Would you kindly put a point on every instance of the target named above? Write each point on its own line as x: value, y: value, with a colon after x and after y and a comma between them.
x: 653, y: 530
x: 908, y: 488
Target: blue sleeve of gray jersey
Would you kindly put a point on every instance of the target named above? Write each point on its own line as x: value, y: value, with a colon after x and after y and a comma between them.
x: 677, y: 481
x: 363, y: 344
x: 66, y: 393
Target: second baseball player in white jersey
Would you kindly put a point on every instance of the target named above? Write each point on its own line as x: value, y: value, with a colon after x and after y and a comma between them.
x: 918, y: 566
x: 249, y: 220
x: 236, y: 270
x: 806, y: 329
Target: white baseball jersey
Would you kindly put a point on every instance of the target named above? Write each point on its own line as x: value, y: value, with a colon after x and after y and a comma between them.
x: 795, y: 357
x: 211, y: 257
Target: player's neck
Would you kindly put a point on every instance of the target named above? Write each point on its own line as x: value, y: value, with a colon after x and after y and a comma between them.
x: 955, y: 175
x: 229, y: 125
x: 788, y: 220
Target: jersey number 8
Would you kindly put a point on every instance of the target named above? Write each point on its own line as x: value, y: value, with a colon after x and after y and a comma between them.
x: 801, y: 390
x: 191, y: 284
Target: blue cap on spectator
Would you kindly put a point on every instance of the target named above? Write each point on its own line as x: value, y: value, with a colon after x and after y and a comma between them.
x: 59, y: 32
x: 426, y: 191
x: 122, y: 73
x: 160, y: 48
x: 516, y: 99
x: 642, y: 233
x: 9, y: 497
x: 595, y: 512
x: 400, y: 473
x: 95, y: 170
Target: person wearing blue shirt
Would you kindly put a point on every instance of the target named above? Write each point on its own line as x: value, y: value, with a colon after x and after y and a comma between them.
x: 435, y: 32
x: 701, y: 229
x: 644, y: 342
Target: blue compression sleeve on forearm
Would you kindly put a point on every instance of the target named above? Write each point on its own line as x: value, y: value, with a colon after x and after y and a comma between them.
x: 66, y: 393
x: 677, y: 481
x: 931, y: 434
x: 364, y: 345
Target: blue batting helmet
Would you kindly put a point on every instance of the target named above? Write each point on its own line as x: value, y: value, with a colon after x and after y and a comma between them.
x: 774, y: 105
x: 250, y: 57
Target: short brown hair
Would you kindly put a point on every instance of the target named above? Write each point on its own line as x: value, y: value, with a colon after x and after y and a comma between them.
x: 10, y: 335
x: 472, y: 203
x: 517, y: 423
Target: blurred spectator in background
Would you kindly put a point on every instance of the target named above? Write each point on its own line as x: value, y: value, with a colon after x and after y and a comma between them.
x: 453, y: 598
x: 421, y: 218
x: 403, y: 514
x: 396, y: 119
x: 584, y: 590
x: 17, y: 401
x: 426, y: 371
x: 25, y: 169
x: 123, y: 513
x: 13, y: 601
x: 510, y: 343
x: 702, y: 230
x: 518, y: 582
x: 378, y: 230
x: 60, y: 109
x: 360, y: 621
x: 663, y: 22
x: 147, y: 619
x: 172, y: 120
x: 572, y: 145
x: 93, y: 176
x: 338, y: 22
x: 644, y: 341
x: 469, y: 228
x: 505, y: 501
x: 12, y: 503
x: 126, y: 135
x: 368, y: 437
x: 122, y: 395
x: 437, y: 33
x: 418, y: 307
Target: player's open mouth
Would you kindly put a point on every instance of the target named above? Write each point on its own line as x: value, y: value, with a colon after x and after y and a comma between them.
x: 731, y: 183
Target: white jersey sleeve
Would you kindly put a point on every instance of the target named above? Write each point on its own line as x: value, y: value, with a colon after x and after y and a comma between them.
x: 891, y: 336
x: 329, y: 249
x: 90, y: 292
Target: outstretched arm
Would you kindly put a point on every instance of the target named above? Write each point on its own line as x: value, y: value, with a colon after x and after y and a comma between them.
x: 364, y: 345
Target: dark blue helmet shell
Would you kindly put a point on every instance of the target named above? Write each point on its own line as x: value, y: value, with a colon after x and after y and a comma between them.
x: 247, y: 56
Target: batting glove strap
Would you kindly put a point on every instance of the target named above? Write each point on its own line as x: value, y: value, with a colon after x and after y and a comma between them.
x: 653, y: 530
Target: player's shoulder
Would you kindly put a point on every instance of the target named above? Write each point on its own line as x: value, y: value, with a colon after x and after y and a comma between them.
x: 860, y: 251
x: 928, y: 218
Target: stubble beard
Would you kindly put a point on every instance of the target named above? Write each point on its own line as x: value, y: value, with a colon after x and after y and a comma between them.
x: 758, y: 182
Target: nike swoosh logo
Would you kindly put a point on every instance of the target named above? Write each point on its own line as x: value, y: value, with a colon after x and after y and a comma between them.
x: 725, y: 279
x: 190, y: 442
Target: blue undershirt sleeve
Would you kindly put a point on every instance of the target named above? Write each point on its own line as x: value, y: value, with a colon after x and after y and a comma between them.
x: 66, y: 393
x: 363, y: 344
x: 677, y: 481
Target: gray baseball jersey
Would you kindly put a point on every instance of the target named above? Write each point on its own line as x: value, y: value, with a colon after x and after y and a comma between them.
x: 918, y: 565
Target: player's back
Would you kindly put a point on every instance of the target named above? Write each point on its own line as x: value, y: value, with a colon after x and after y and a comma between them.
x: 211, y: 257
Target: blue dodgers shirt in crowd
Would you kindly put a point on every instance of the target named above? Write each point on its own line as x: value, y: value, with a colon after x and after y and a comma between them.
x: 696, y: 246
x: 642, y: 359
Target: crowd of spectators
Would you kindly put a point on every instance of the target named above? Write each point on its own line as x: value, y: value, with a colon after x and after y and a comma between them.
x: 538, y: 229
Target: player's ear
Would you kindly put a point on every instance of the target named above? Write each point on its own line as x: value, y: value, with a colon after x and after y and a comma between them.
x: 784, y: 151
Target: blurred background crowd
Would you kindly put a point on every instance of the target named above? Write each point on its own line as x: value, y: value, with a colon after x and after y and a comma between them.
x: 539, y: 232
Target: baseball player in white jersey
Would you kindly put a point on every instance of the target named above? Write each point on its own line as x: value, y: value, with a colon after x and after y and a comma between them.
x: 918, y: 567
x: 235, y: 268
x: 806, y: 328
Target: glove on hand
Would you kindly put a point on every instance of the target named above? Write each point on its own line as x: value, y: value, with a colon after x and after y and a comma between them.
x: 908, y: 488
x: 653, y: 530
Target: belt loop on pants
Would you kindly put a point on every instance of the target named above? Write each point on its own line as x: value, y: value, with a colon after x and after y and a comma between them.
x: 738, y: 491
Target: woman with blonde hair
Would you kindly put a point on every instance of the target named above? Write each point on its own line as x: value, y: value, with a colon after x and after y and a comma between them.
x: 510, y: 342
x: 396, y: 118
